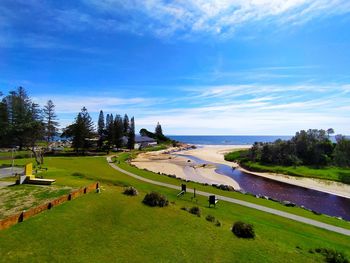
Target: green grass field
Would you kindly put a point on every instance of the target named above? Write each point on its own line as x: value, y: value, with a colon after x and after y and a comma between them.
x: 113, y: 227
x: 338, y: 174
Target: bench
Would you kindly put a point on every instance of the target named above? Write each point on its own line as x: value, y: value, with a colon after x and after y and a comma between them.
x: 183, y: 190
x: 212, y: 200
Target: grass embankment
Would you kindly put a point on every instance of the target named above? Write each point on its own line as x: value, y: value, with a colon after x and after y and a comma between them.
x: 111, y: 226
x: 249, y: 198
x: 331, y: 173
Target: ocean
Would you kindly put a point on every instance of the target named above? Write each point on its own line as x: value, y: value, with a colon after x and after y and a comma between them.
x: 225, y: 139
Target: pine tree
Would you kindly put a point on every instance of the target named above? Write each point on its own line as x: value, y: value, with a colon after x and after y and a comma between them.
x: 158, y: 131
x: 131, y: 134
x: 80, y: 131
x: 4, y: 124
x: 25, y: 125
x: 126, y: 125
x: 101, y: 129
x: 118, y: 131
x: 110, y: 131
x: 50, y: 121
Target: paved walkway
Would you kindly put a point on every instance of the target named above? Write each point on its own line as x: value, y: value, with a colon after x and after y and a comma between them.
x: 7, y: 172
x: 301, y: 219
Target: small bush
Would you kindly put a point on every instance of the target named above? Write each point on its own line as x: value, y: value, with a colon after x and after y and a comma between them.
x: 196, y: 211
x: 243, y: 230
x: 332, y: 256
x: 132, y: 191
x: 210, y: 218
x: 218, y: 223
x: 155, y: 199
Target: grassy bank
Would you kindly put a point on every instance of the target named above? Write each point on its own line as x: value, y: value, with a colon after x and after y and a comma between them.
x: 111, y: 226
x: 331, y: 173
x: 122, y: 162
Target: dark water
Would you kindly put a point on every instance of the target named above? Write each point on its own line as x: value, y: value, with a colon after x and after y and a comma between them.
x: 226, y: 140
x: 315, y: 200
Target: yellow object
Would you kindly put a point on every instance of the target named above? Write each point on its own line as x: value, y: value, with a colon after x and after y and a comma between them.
x: 28, y: 171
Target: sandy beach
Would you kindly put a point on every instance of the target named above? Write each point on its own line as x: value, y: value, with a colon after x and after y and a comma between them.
x: 166, y: 163
x: 182, y: 167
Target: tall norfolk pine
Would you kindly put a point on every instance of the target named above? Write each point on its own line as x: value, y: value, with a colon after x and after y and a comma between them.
x: 20, y: 119
x: 50, y: 121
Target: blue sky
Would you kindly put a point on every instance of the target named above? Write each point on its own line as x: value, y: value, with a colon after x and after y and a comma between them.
x: 198, y: 67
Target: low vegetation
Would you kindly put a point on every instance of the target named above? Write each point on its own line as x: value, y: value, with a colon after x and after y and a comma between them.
x: 155, y: 199
x: 131, y: 191
x: 210, y: 218
x: 195, y: 210
x: 331, y: 255
x: 243, y: 230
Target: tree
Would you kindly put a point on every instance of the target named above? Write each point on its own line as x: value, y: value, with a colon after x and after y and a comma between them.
x: 118, y: 131
x: 342, y: 151
x: 110, y: 130
x: 50, y: 121
x: 158, y: 131
x: 131, y: 134
x: 101, y: 129
x: 4, y: 124
x: 25, y: 125
x: 126, y: 125
x: 81, y: 131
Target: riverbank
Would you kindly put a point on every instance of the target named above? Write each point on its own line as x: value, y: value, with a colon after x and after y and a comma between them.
x: 167, y: 162
x: 216, y: 154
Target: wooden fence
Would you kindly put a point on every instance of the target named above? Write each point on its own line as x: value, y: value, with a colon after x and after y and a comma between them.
x: 21, y: 216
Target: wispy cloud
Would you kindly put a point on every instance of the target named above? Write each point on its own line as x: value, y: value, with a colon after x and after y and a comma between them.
x: 219, y: 17
x: 163, y: 18
x: 241, y: 109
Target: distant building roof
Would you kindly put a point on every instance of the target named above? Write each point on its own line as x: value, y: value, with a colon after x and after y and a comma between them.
x: 140, y: 139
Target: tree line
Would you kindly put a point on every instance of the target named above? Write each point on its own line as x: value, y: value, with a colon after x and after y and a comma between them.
x: 23, y: 124
x: 311, y: 147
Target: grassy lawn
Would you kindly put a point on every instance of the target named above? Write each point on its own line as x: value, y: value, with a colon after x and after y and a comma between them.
x: 113, y: 227
x: 338, y: 174
x: 22, y: 197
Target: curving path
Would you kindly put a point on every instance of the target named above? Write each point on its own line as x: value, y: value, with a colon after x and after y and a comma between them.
x: 240, y: 202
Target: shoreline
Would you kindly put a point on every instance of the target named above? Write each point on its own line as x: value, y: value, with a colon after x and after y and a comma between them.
x: 166, y: 162
x: 215, y: 154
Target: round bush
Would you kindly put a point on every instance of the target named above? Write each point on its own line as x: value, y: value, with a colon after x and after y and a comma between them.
x: 210, y: 218
x: 132, y: 191
x: 195, y: 210
x: 155, y: 199
x: 243, y: 230
x: 218, y: 223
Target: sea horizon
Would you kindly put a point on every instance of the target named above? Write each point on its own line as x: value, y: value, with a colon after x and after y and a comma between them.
x: 227, y: 139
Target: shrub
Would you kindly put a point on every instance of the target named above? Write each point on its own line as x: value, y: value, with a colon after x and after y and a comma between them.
x: 210, y: 218
x: 218, y: 223
x: 243, y: 230
x: 195, y: 210
x: 132, y: 191
x: 155, y: 199
x: 332, y: 256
